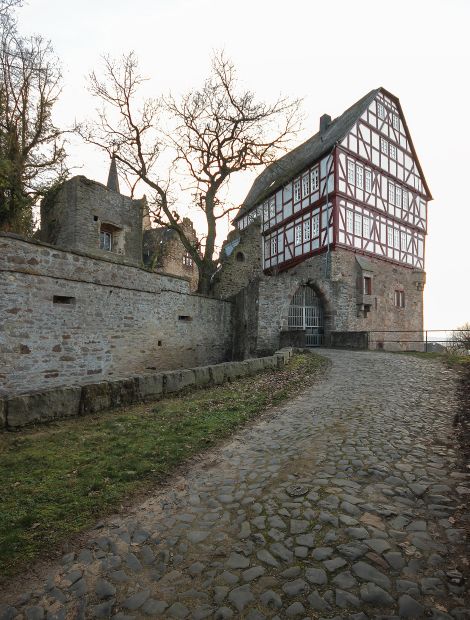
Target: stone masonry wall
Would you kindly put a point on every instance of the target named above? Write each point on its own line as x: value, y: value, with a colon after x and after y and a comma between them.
x: 72, y: 216
x: 68, y: 318
x: 164, y: 252
x: 337, y: 280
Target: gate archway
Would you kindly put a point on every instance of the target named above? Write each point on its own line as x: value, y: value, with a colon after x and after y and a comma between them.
x: 306, y: 312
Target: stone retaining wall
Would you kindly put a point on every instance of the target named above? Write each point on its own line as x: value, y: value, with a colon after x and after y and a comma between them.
x: 65, y: 402
x: 67, y: 318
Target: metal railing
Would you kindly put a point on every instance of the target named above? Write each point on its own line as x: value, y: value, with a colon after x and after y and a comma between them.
x: 428, y: 339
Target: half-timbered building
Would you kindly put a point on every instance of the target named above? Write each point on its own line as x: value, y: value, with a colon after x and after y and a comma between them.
x: 331, y: 237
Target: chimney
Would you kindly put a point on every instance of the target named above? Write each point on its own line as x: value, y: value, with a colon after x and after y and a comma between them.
x: 325, y: 122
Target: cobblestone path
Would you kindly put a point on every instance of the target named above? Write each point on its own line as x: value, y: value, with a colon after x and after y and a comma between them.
x: 340, y: 504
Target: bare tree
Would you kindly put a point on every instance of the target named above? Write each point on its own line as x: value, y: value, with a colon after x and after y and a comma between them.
x: 7, y: 6
x: 215, y: 131
x: 31, y: 147
x: 460, y: 340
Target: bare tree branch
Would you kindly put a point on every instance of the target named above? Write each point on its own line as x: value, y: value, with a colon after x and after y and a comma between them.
x: 216, y: 131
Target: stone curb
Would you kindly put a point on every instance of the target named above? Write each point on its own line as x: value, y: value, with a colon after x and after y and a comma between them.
x: 64, y: 402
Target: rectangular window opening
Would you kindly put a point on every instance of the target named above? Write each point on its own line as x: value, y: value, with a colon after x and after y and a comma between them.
x: 63, y: 299
x: 367, y: 285
x: 184, y: 318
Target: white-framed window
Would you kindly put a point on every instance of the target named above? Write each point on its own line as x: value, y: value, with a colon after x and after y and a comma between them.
x: 272, y: 207
x: 273, y: 246
x: 307, y: 230
x: 298, y: 234
x: 106, y: 240
x: 265, y: 212
x: 305, y: 186
x: 358, y: 224
x: 403, y: 241
x: 297, y: 190
x: 380, y: 110
x: 351, y: 172
x: 366, y: 227
x: 395, y: 121
x: 396, y: 239
x: 405, y: 199
x: 390, y: 237
x: 315, y: 225
x: 314, y: 179
x: 368, y: 181
x: 359, y: 176
x: 187, y: 259
x: 391, y: 193
x: 393, y: 151
x: 398, y: 196
x: 349, y: 221
x: 384, y: 146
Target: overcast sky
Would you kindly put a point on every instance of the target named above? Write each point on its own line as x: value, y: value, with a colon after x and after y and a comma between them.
x: 330, y: 53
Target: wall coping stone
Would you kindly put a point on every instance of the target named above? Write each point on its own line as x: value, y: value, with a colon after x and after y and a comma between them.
x: 63, y: 402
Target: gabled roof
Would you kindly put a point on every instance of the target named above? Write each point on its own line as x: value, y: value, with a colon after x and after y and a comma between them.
x: 291, y: 164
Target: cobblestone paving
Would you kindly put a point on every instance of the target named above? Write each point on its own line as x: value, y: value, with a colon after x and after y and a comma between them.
x: 339, y: 505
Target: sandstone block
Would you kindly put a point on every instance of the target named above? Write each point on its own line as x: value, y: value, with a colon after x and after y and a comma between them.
x: 217, y: 373
x: 150, y: 386
x: 124, y: 392
x: 177, y: 380
x: 202, y: 375
x: 95, y: 397
x: 43, y: 406
x: 269, y: 362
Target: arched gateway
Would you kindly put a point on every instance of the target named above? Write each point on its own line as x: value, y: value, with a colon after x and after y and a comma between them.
x: 306, y: 312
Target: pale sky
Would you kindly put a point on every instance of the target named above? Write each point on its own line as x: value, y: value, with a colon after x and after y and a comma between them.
x: 330, y: 53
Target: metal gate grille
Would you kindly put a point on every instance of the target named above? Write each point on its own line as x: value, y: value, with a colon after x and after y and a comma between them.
x: 305, y: 312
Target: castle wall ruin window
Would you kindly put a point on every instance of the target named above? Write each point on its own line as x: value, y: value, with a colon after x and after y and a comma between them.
x: 366, y: 285
x: 106, y: 240
x: 187, y: 260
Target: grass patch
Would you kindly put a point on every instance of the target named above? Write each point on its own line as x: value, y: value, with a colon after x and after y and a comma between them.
x: 453, y: 360
x: 57, y: 479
